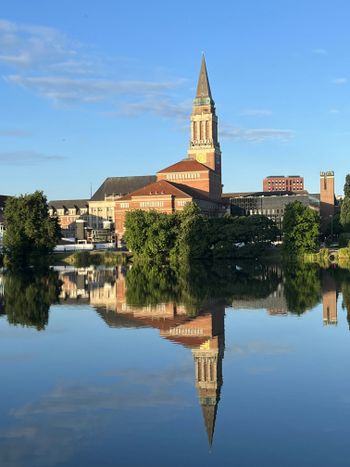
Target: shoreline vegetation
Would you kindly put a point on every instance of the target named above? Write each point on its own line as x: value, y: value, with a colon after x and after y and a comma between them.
x: 176, y: 239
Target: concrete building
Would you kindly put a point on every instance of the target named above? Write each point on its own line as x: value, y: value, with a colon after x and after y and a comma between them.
x: 269, y: 204
x: 281, y: 183
x: 195, y: 179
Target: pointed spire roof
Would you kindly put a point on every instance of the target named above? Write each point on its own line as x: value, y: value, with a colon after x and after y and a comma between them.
x: 203, y: 87
x: 209, y: 415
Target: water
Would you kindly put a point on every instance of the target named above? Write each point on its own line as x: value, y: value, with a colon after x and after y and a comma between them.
x: 238, y: 365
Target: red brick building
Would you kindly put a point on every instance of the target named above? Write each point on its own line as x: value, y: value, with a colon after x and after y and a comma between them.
x: 195, y: 179
x: 282, y: 183
x: 327, y: 197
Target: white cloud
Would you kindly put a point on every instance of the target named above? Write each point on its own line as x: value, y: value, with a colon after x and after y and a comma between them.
x: 47, y: 62
x: 256, y: 135
x: 163, y: 107
x: 340, y: 81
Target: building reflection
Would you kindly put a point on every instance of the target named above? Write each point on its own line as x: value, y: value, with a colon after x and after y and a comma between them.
x: 203, y: 332
x: 329, y: 298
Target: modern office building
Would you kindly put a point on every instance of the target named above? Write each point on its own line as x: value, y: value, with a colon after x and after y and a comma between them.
x: 271, y: 205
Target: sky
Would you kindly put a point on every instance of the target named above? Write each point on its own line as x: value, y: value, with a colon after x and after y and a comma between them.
x: 94, y: 89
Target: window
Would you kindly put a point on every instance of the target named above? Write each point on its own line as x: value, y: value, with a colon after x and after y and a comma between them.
x: 151, y: 204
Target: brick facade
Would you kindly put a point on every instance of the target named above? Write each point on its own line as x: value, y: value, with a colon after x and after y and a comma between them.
x: 195, y: 179
x: 282, y: 183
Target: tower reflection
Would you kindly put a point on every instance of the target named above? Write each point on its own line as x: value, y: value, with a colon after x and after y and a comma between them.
x: 329, y: 298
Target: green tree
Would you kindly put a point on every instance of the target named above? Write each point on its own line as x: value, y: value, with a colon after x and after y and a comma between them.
x: 345, y: 213
x: 150, y: 235
x: 301, y: 229
x: 302, y: 286
x: 28, y: 297
x: 347, y: 186
x: 30, y: 232
x: 192, y: 240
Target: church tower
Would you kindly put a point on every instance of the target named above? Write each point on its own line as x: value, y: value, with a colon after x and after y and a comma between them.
x: 204, y: 144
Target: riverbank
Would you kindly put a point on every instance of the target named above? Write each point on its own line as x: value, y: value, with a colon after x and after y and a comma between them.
x: 91, y: 258
x: 325, y: 257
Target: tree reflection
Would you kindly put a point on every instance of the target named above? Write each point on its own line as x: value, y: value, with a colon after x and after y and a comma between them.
x: 302, y: 286
x: 193, y: 284
x: 28, y: 296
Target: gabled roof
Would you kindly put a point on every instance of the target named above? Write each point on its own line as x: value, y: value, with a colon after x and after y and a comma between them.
x: 193, y: 192
x: 68, y: 203
x: 162, y: 187
x: 186, y: 165
x: 120, y: 186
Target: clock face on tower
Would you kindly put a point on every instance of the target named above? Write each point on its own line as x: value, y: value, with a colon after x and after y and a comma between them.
x: 202, y: 158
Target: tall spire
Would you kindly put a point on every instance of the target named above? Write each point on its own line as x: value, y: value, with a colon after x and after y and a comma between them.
x: 203, y: 87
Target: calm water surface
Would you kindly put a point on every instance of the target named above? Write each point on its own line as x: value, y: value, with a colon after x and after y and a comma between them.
x: 234, y: 365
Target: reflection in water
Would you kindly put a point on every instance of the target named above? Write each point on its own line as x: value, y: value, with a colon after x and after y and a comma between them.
x: 186, y: 306
x: 329, y: 298
x: 27, y: 297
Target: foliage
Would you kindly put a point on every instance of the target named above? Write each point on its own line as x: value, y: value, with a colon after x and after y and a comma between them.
x: 345, y: 213
x: 195, y: 285
x: 82, y: 259
x: 241, y: 237
x: 302, y: 286
x: 29, y: 295
x: 30, y: 232
x: 192, y: 235
x: 188, y: 235
x: 150, y: 234
x: 300, y: 229
x: 347, y: 186
x: 344, y: 239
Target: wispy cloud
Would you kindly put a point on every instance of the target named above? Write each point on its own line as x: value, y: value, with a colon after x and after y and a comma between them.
x: 334, y: 111
x: 13, y: 133
x: 163, y: 107
x: 27, y: 158
x: 340, y: 80
x: 48, y: 63
x: 319, y: 51
x: 256, y: 135
x: 71, y: 414
x: 256, y: 113
x: 258, y: 347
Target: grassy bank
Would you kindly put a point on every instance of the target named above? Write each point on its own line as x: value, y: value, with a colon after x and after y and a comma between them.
x: 92, y: 258
x: 326, y: 257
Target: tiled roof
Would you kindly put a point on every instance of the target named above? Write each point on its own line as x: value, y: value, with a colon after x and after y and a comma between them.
x: 68, y: 203
x: 120, y: 186
x: 162, y: 187
x: 187, y: 165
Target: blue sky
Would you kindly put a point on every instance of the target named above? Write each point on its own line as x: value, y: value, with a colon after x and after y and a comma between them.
x: 95, y: 89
